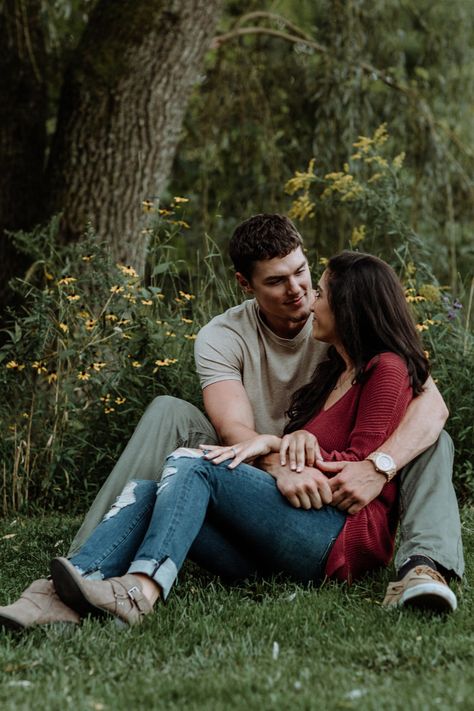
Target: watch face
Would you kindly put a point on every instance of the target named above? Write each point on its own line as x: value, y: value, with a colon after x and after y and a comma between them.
x: 385, y: 462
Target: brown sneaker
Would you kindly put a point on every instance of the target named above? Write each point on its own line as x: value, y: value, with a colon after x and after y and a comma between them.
x: 423, y: 588
x: 118, y: 597
x: 38, y: 605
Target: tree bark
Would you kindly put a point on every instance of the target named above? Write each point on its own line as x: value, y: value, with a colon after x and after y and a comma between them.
x: 23, y: 105
x: 120, y: 116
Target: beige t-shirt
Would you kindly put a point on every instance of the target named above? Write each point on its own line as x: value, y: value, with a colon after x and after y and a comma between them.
x: 238, y: 345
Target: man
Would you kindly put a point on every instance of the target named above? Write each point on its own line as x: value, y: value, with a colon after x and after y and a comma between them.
x: 250, y: 360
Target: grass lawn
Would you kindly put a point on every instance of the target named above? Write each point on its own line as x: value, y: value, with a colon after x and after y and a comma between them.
x: 261, y: 646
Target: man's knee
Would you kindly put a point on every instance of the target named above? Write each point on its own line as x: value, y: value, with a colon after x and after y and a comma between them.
x: 169, y: 407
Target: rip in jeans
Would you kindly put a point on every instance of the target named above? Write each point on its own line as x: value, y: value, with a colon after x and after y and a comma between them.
x: 126, y: 498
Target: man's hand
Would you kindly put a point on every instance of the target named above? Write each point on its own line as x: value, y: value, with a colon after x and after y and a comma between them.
x: 308, y: 489
x: 354, y: 485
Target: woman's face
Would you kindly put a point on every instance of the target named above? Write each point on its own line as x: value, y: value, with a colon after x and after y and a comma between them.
x: 324, y: 325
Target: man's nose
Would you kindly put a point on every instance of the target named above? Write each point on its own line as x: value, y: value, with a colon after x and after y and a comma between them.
x: 293, y: 285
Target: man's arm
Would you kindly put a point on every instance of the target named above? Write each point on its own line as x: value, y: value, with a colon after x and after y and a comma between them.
x: 229, y: 410
x: 357, y: 483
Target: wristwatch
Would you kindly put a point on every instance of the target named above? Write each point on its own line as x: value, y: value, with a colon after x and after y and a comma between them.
x: 383, y: 464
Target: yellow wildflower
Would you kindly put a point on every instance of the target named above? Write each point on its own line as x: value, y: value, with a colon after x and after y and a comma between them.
x: 127, y: 270
x: 52, y: 378
x: 39, y: 367
x: 165, y: 212
x: 192, y: 337
x: 358, y: 235
x: 301, y: 208
x: 431, y: 292
x: 170, y: 334
x: 116, y: 289
x: 105, y: 398
x: 181, y: 223
x: 181, y: 199
x: 188, y: 297
x: 427, y: 354
x: 421, y: 327
x: 136, y: 364
x: 98, y: 366
x: 111, y: 317
x: 147, y: 205
x: 363, y: 143
x: 160, y: 296
x: 120, y: 400
x: 13, y: 365
x: 83, y: 375
x: 147, y: 302
x: 48, y: 276
x: 124, y: 322
x: 65, y: 281
x: 186, y: 320
x: 64, y: 327
x: 301, y: 180
x: 164, y: 363
x: 381, y: 135
x: 73, y: 297
x: 90, y: 324
x: 108, y: 410
x: 88, y: 257
x: 323, y: 261
x: 373, y: 178
x: 398, y: 160
x: 131, y: 298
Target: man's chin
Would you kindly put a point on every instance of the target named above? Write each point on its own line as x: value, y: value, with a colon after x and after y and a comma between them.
x: 299, y: 318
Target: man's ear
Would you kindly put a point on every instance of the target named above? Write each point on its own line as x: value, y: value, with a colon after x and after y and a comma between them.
x: 244, y: 283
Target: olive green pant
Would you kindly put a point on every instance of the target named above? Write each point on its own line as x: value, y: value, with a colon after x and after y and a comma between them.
x: 429, y: 515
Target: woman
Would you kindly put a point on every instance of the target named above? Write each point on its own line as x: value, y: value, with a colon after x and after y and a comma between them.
x: 236, y: 520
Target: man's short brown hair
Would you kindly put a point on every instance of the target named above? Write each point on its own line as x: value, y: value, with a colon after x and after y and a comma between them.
x: 261, y: 237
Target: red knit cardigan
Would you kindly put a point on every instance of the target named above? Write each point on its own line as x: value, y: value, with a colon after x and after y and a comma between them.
x: 356, y: 425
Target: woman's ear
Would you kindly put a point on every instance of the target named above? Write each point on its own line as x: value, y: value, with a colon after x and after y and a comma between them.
x: 244, y: 283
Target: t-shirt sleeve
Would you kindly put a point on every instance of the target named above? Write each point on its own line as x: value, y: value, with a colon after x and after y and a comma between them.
x: 384, y: 399
x: 218, y: 354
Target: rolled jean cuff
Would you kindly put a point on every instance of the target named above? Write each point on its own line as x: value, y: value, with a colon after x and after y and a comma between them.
x: 164, y: 573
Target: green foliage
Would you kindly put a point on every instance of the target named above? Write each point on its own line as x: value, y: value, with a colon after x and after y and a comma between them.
x: 267, y: 103
x: 91, y: 348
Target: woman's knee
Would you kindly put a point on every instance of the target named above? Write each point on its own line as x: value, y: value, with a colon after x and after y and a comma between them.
x: 136, y: 491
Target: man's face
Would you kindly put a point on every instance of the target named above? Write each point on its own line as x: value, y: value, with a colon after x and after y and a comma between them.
x: 282, y: 287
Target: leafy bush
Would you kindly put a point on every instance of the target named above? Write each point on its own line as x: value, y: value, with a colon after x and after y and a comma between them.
x: 91, y: 348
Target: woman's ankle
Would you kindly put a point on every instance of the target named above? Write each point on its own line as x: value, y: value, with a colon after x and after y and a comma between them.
x: 151, y: 590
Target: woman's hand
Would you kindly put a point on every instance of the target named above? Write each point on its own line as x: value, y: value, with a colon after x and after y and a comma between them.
x: 308, y: 490
x: 302, y: 449
x: 245, y: 451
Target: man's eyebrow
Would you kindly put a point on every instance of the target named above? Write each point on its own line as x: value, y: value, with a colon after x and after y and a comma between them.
x: 274, y: 277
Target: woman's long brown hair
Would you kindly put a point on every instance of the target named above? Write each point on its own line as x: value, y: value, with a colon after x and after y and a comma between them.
x: 371, y: 316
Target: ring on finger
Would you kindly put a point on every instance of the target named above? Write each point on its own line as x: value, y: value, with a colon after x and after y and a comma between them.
x: 233, y: 451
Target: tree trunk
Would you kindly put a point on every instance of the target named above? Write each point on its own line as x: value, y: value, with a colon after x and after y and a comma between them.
x: 23, y: 106
x: 120, y: 116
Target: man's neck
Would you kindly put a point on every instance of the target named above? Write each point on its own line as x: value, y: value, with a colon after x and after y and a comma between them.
x: 283, y: 329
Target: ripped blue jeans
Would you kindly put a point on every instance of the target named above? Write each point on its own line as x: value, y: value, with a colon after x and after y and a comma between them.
x: 235, y: 523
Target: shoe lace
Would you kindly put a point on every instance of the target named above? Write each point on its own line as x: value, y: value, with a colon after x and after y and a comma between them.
x: 426, y: 570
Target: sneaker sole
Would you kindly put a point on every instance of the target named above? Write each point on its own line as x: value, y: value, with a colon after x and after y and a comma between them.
x: 68, y: 584
x: 429, y: 596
